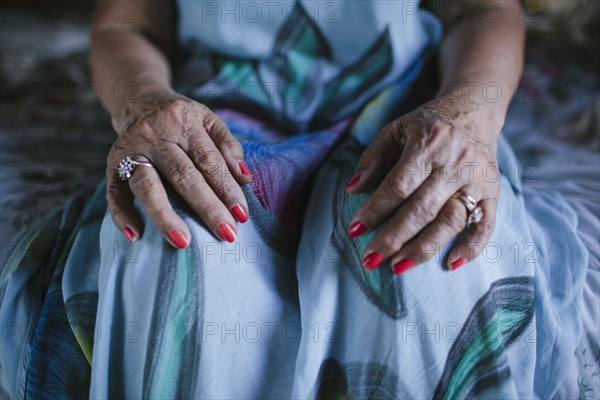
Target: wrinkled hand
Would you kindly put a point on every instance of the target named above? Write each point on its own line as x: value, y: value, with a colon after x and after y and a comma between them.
x: 195, y: 152
x: 417, y: 163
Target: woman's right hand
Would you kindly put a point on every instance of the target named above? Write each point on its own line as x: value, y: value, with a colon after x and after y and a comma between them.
x: 194, y: 151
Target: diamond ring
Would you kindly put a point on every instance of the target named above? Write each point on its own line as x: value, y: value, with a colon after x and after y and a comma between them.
x: 475, y: 213
x: 127, y: 166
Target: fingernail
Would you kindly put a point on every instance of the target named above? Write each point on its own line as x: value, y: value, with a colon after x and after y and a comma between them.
x: 226, y: 232
x: 353, y: 181
x: 356, y: 229
x: 239, y: 213
x: 403, y: 265
x: 128, y: 234
x: 373, y: 260
x: 457, y: 263
x: 245, y: 170
x: 177, y: 238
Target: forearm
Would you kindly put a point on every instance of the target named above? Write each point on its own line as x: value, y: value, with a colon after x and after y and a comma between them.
x: 481, y: 58
x: 130, y: 45
x: 125, y: 65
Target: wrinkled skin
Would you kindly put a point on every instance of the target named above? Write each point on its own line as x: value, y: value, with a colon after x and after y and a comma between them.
x: 416, y: 164
x: 412, y: 164
x: 192, y: 149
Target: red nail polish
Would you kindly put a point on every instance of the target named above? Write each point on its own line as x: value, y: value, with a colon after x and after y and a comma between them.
x: 457, y: 263
x: 226, y: 232
x: 353, y: 181
x: 128, y: 234
x: 245, y: 170
x: 373, y: 260
x: 403, y: 265
x: 239, y: 213
x: 356, y: 229
x: 177, y: 238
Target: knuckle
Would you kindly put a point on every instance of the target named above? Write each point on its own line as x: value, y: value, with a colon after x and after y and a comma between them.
x: 424, y: 209
x: 374, y: 209
x: 183, y: 178
x: 113, y: 208
x: 216, y: 126
x: 231, y: 143
x: 397, y: 187
x: 367, y: 157
x: 453, y: 216
x: 210, y: 211
x: 207, y: 159
x: 160, y: 216
x: 437, y: 131
x: 144, y: 127
x: 142, y: 185
x: 112, y: 190
x: 222, y: 189
x: 140, y: 130
x: 174, y: 108
x: 485, y: 228
x: 466, y: 154
x: 391, y: 239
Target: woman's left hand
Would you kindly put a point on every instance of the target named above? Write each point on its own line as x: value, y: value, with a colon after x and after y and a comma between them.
x: 418, y: 162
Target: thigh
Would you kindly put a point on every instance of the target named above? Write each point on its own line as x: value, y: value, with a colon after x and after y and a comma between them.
x: 215, y: 320
x: 429, y: 332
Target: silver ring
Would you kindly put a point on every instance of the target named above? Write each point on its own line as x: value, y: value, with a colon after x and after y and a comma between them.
x: 127, y: 166
x: 475, y: 213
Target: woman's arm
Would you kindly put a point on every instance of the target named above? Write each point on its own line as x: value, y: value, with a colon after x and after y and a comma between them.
x: 448, y: 145
x: 130, y: 46
x: 188, y: 145
x: 481, y: 57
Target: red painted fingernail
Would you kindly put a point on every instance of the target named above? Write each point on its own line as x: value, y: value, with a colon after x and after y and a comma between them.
x: 457, y: 263
x: 128, y: 234
x: 403, y: 265
x: 356, y: 229
x: 353, y: 181
x: 226, y: 232
x: 177, y: 238
x: 245, y: 170
x: 239, y: 213
x: 373, y: 260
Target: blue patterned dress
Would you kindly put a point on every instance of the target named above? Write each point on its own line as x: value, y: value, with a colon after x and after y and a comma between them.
x: 287, y: 311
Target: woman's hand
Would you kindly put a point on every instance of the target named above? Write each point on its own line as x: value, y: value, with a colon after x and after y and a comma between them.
x: 417, y: 163
x: 194, y: 151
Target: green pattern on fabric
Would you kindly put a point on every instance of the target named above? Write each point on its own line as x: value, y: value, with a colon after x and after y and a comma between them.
x: 81, y: 312
x: 174, y: 331
x: 380, y: 286
x: 477, y: 359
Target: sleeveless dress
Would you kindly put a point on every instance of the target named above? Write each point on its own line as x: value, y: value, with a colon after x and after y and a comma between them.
x: 287, y: 311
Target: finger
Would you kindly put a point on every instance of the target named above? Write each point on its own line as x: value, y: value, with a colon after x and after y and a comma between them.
x: 476, y: 238
x: 120, y: 206
x: 422, y: 208
x: 209, y: 161
x: 146, y: 185
x: 451, y: 220
x: 175, y: 165
x: 378, y: 158
x: 398, y: 185
x: 229, y: 147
